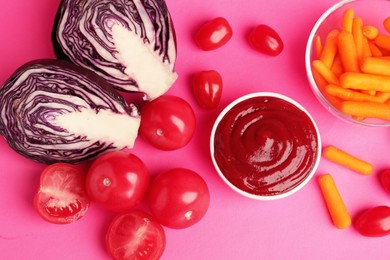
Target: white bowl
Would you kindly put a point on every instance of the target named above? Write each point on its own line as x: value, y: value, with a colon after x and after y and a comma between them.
x: 268, y: 131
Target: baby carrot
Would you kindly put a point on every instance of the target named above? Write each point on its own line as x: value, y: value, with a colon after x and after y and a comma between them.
x: 345, y: 159
x: 375, y: 51
x: 370, y: 31
x: 357, y: 32
x: 330, y: 48
x: 347, y: 19
x: 383, y: 41
x: 325, y: 72
x: 383, y: 96
x: 347, y: 51
x: 386, y: 24
x: 337, y: 67
x: 334, y: 202
x: 366, y: 52
x: 365, y: 81
x: 348, y: 94
x: 318, y: 45
x: 366, y: 109
x: 375, y: 66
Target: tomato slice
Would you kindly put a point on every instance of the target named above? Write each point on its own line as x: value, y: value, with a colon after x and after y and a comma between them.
x: 213, y: 34
x: 135, y: 235
x: 266, y: 40
x: 61, y: 197
x: 207, y: 88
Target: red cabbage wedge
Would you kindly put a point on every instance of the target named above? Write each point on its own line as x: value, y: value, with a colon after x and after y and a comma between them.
x: 130, y: 43
x: 53, y: 111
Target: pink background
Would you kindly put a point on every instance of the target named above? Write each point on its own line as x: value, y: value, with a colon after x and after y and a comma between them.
x: 297, y: 227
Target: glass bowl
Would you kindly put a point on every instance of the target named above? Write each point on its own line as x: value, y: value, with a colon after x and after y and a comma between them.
x: 265, y: 146
x: 372, y: 12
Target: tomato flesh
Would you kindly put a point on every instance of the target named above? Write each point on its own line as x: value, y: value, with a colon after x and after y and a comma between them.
x: 167, y: 122
x: 266, y: 40
x: 117, y: 181
x: 207, y: 88
x: 374, y: 222
x: 213, y: 34
x: 178, y: 198
x: 135, y: 235
x: 61, y: 197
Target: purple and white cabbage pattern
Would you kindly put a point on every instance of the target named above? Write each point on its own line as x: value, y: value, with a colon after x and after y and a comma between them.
x: 53, y: 111
x: 130, y: 43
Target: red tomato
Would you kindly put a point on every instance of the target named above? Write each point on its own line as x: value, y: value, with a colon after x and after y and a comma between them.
x: 374, y: 222
x: 167, y: 122
x: 385, y: 179
x: 135, y: 235
x: 213, y: 34
x: 178, y: 198
x: 117, y: 181
x: 266, y: 40
x: 207, y: 88
x: 61, y: 197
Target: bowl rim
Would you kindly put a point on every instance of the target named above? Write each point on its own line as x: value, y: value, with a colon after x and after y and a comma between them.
x: 334, y: 111
x: 265, y: 197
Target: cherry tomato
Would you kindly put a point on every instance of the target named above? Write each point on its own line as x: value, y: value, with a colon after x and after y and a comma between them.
x: 117, y: 181
x: 167, y: 122
x: 213, y: 34
x: 374, y: 222
x: 135, y: 235
x: 266, y: 40
x: 61, y: 197
x: 385, y: 179
x: 207, y: 88
x: 178, y: 198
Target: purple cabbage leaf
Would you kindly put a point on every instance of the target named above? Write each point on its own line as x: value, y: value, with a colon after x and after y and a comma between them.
x: 130, y: 43
x: 54, y: 111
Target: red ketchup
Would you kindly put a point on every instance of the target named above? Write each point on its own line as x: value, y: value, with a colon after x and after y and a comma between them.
x: 266, y: 146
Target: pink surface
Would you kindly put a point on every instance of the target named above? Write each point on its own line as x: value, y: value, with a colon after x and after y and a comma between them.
x: 235, y: 227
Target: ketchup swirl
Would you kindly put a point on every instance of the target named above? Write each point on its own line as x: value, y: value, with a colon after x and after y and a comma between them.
x: 265, y: 145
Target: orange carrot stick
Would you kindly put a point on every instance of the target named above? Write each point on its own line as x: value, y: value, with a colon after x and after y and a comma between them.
x: 347, y: 20
x: 383, y: 96
x: 375, y: 51
x: 348, y: 94
x: 383, y: 41
x: 330, y: 48
x: 375, y: 66
x: 334, y: 202
x: 320, y: 81
x: 347, y: 160
x: 365, y: 81
x: 366, y: 109
x: 366, y: 52
x: 370, y: 31
x: 337, y: 67
x: 318, y: 46
x: 347, y: 51
x: 386, y: 24
x: 369, y: 92
x: 357, y: 32
x: 325, y: 72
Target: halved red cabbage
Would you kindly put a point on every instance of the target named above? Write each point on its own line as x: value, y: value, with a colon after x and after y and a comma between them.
x: 53, y: 111
x: 130, y: 43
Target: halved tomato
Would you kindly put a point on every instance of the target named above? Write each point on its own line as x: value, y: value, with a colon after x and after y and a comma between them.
x: 61, y: 197
x: 135, y: 235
